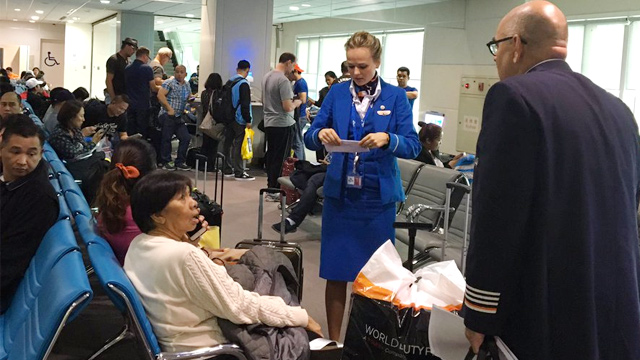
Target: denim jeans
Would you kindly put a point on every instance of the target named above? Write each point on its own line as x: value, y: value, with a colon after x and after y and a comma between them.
x: 174, y: 125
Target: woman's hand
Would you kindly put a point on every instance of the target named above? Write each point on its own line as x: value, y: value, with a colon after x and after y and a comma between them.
x: 455, y: 160
x: 328, y: 136
x: 97, y: 136
x: 313, y: 326
x: 375, y: 140
x: 88, y: 131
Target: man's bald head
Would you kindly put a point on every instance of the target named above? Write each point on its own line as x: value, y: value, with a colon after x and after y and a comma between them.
x: 540, y: 33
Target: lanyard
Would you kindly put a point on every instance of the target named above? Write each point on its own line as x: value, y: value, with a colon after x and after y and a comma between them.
x: 358, y: 126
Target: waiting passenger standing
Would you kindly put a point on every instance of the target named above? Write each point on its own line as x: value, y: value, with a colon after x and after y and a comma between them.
x: 115, y: 68
x: 300, y: 91
x: 173, y: 96
x: 403, y: 83
x: 279, y: 124
x: 360, y: 189
x: 553, y: 265
x: 157, y: 64
x: 234, y: 132
x: 28, y: 202
x: 140, y: 86
x: 212, y: 88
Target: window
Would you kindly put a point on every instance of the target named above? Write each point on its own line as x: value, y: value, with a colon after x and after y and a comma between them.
x: 319, y: 54
x: 608, y: 52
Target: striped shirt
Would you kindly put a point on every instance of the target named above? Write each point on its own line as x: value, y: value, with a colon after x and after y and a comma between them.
x: 177, y: 95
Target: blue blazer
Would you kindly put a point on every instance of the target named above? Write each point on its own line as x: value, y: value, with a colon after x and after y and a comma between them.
x: 396, y: 120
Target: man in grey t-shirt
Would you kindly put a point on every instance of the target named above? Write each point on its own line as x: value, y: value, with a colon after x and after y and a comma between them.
x: 279, y: 125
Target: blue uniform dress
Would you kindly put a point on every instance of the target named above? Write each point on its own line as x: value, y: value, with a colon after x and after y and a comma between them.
x: 355, y: 222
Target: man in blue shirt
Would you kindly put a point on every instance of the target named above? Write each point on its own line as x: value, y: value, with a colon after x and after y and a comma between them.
x: 234, y: 132
x: 403, y: 79
x: 173, y: 96
x: 140, y: 84
x: 300, y: 91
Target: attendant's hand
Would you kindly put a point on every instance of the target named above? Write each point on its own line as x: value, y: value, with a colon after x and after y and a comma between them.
x: 328, y: 136
x: 313, y: 326
x: 475, y: 339
x: 248, y: 126
x: 375, y: 140
x: 171, y: 112
x: 88, y: 131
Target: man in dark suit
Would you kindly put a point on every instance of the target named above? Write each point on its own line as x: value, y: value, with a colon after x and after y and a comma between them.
x: 553, y: 265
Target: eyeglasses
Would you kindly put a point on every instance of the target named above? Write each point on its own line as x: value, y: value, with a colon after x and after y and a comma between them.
x: 493, y: 44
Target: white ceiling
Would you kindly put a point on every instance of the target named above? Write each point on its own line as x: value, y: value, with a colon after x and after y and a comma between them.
x: 89, y: 11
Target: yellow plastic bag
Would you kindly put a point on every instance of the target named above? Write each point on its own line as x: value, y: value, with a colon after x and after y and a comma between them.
x: 247, y: 144
x: 211, y: 238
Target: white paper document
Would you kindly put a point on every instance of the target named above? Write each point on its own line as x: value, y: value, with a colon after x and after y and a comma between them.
x: 321, y: 343
x: 346, y: 146
x: 447, y: 339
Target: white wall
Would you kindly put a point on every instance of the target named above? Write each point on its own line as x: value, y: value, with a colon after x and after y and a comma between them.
x: 104, y: 36
x: 24, y: 33
x: 77, y: 66
x: 456, y: 32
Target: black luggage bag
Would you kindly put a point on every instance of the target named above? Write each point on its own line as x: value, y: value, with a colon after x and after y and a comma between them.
x: 292, y: 251
x: 210, y: 208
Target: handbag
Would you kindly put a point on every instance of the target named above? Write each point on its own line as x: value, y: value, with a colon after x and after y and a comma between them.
x: 247, y: 145
x: 210, y: 127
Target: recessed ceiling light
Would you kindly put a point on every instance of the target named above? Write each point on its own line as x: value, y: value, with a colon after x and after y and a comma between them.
x: 15, y: 19
x: 75, y: 18
x: 189, y: 15
x: 35, y: 17
x: 39, y: 12
x: 70, y: 21
x: 294, y: 8
x: 105, y: 1
x: 31, y: 21
x: 159, y: 22
x: 305, y: 5
x: 16, y: 9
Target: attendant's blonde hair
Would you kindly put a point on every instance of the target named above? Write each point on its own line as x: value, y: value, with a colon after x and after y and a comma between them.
x: 363, y: 39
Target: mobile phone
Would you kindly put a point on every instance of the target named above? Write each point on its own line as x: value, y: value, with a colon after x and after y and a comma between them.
x: 197, y: 232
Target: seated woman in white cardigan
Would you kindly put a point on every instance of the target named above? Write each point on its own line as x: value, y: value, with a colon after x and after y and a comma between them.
x: 183, y: 291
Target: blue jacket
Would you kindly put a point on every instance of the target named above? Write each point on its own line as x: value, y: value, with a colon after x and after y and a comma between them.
x: 404, y: 142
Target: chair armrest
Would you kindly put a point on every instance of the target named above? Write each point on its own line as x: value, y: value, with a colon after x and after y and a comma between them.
x: 205, y: 353
x: 455, y: 185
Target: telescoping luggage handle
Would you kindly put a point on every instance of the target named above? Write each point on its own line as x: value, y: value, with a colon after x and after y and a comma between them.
x: 219, y: 161
x: 283, y: 200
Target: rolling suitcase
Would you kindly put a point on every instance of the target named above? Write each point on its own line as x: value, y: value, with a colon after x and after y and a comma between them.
x: 210, y: 208
x: 292, y: 251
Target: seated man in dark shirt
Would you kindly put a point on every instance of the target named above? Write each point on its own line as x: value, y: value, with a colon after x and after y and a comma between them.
x: 95, y: 113
x: 35, y: 97
x: 28, y: 202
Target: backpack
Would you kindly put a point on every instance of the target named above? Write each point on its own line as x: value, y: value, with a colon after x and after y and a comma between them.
x: 222, y: 108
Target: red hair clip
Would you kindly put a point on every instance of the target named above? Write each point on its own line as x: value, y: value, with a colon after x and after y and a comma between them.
x: 129, y: 172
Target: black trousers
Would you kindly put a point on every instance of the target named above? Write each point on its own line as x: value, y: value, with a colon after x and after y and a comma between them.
x: 308, y: 197
x: 138, y: 121
x: 279, y: 141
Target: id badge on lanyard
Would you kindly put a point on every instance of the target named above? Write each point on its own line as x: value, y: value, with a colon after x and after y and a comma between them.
x: 355, y: 168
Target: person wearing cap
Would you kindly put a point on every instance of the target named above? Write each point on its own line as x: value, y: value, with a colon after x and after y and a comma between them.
x: 35, y: 98
x: 115, y: 68
x: 300, y: 91
x: 57, y: 97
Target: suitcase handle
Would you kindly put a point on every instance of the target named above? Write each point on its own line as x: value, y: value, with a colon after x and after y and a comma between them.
x: 283, y: 218
x: 413, y: 231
